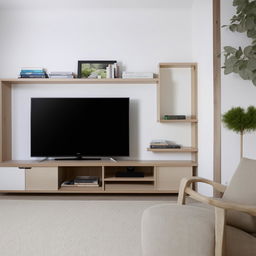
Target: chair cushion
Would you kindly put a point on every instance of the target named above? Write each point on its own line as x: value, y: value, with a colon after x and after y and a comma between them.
x: 175, y: 230
x: 169, y: 229
x: 239, y: 242
x: 242, y: 190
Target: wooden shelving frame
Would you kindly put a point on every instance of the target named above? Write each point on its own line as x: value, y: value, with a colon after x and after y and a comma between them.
x: 162, y: 170
x: 192, y: 119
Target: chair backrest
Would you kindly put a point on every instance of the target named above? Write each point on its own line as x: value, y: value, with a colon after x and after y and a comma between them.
x: 242, y: 190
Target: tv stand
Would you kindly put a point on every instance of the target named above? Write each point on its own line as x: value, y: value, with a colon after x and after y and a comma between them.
x: 48, y: 176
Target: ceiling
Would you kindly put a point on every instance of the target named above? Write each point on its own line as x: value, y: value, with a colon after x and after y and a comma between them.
x: 49, y: 4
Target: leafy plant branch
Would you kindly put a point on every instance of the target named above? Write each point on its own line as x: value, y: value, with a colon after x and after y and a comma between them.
x: 242, y: 61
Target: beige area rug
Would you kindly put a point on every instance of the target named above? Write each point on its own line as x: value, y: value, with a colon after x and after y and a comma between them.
x: 71, y: 227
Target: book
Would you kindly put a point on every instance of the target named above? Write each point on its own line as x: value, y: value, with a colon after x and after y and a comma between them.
x: 165, y: 146
x: 137, y: 75
x: 82, y: 180
x: 33, y: 76
x: 174, y: 117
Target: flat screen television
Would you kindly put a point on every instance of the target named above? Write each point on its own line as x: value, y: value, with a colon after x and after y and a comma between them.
x: 76, y: 127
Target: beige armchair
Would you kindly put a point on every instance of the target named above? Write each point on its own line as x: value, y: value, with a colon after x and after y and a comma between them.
x: 226, y: 227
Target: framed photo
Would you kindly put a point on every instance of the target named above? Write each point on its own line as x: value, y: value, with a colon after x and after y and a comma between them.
x: 93, y: 68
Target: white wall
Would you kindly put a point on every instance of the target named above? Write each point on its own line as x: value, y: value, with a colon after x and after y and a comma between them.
x: 202, y: 30
x: 140, y: 38
x: 235, y: 92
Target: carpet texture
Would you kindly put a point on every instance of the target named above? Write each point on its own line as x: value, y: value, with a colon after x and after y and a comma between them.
x: 73, y: 228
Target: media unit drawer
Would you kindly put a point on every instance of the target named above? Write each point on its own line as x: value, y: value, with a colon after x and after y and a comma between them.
x: 12, y: 178
x: 42, y: 178
x: 168, y: 178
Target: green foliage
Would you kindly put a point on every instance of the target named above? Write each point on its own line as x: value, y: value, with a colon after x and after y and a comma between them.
x: 239, y: 120
x: 245, y: 18
x: 242, y: 61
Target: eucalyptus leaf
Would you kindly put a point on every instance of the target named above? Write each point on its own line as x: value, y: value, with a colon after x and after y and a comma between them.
x: 250, y: 23
x: 251, y: 65
x: 254, y: 81
x: 245, y: 73
x: 248, y: 51
x: 230, y: 49
x: 251, y: 33
x: 228, y: 70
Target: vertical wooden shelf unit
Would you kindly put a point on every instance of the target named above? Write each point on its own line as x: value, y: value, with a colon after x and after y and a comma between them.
x: 47, y: 177
x: 192, y: 117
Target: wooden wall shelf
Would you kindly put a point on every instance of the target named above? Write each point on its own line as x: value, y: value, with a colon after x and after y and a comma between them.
x: 188, y: 120
x: 80, y: 81
x: 176, y: 150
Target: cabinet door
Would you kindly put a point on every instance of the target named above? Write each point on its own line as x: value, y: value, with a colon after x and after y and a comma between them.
x: 42, y: 178
x: 12, y: 178
x: 168, y: 178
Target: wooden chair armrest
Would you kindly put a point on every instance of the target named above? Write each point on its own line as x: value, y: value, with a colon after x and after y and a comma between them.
x: 249, y: 209
x: 186, y: 182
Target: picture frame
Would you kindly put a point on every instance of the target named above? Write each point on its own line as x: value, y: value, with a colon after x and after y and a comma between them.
x: 93, y: 69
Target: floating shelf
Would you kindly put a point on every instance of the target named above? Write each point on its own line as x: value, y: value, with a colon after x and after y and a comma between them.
x: 147, y: 178
x: 81, y: 81
x: 182, y: 150
x: 188, y: 120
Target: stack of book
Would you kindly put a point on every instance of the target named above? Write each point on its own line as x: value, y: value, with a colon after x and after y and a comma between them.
x: 163, y: 144
x: 112, y: 71
x: 83, y: 181
x: 88, y: 181
x: 33, y: 73
x: 61, y: 74
x: 174, y: 117
x: 137, y: 75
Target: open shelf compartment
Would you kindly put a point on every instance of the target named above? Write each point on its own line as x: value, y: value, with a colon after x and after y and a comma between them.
x: 70, y: 173
x: 113, y: 183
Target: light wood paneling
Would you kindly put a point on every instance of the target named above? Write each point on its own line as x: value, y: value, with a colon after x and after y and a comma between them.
x: 6, y: 123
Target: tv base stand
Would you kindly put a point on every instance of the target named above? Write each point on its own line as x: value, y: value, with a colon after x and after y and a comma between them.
x: 49, y: 176
x: 77, y: 159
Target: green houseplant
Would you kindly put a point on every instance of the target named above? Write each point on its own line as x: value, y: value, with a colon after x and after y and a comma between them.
x: 240, y: 121
x: 242, y: 61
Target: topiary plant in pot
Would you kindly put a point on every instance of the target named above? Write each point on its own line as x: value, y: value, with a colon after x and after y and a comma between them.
x: 240, y: 121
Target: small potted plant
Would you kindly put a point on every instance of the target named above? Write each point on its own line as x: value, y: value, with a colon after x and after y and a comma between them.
x: 240, y: 121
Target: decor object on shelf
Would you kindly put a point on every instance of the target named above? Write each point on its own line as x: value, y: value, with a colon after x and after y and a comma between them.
x: 242, y: 61
x: 223, y: 226
x: 33, y: 73
x: 174, y: 117
x: 126, y: 74
x: 163, y: 144
x: 61, y: 75
x: 239, y: 121
x: 94, y: 69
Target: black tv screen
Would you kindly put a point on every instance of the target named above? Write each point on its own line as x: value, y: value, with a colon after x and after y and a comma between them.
x: 67, y: 127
